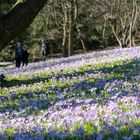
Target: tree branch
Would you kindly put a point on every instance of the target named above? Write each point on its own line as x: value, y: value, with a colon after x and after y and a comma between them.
x: 18, y: 19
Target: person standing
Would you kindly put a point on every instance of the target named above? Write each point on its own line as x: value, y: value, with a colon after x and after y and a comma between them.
x: 25, y: 55
x: 45, y: 49
x: 18, y: 54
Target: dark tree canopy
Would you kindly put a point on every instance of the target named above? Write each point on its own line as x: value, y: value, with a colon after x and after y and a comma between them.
x: 18, y: 19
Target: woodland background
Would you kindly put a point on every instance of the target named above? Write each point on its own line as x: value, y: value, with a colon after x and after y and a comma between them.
x: 73, y: 26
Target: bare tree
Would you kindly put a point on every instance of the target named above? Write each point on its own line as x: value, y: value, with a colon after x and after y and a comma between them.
x: 122, y: 17
x: 68, y: 25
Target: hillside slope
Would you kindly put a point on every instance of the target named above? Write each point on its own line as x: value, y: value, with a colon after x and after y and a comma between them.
x: 83, y: 97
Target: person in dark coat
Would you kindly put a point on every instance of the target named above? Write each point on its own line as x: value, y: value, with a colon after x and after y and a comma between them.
x: 18, y: 54
x: 45, y: 49
x: 25, y: 55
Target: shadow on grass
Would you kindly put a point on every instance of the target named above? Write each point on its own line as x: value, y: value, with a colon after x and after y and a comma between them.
x: 51, y: 96
x: 74, y: 91
x: 36, y: 102
x: 123, y: 69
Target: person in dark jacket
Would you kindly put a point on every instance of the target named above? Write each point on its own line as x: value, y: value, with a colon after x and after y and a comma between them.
x: 18, y: 54
x: 25, y: 55
x: 45, y: 49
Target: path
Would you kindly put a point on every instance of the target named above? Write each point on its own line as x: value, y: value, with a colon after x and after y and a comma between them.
x: 6, y: 65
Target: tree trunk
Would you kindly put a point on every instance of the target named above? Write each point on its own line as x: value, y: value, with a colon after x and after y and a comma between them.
x: 104, y: 41
x: 65, y: 30
x: 70, y: 33
x: 77, y: 27
x: 18, y: 19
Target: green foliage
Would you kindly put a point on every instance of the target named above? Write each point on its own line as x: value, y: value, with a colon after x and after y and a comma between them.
x: 93, y: 20
x: 6, y: 5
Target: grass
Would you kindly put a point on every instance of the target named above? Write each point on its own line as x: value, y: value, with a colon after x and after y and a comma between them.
x: 79, y: 99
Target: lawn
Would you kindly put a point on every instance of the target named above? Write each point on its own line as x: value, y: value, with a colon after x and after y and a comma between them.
x: 93, y: 96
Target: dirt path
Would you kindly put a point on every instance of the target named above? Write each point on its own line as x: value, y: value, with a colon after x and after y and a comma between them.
x: 6, y: 65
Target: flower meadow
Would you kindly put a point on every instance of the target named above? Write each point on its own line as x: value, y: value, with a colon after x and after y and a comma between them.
x: 93, y: 96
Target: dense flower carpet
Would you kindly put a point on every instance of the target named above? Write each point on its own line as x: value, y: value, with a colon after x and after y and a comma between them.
x: 93, y: 96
